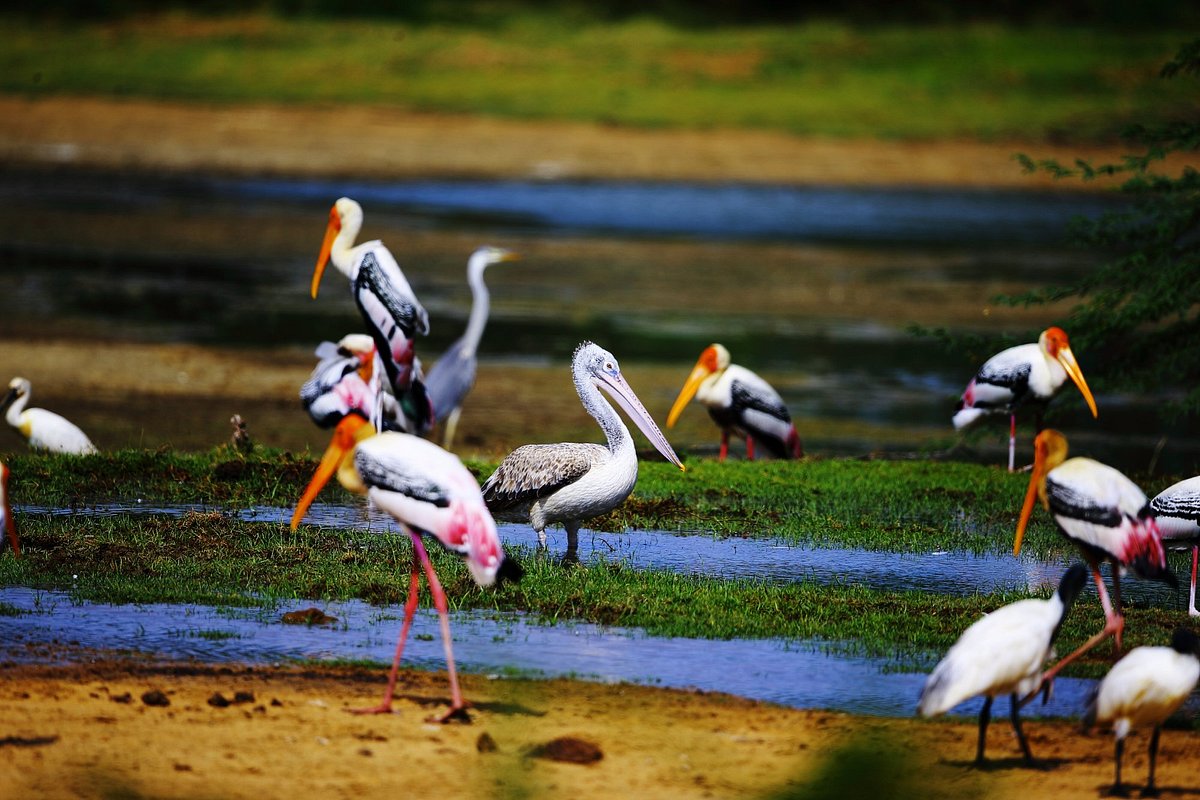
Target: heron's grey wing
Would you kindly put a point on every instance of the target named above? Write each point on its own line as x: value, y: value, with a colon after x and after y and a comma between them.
x: 450, y: 379
x: 537, y: 470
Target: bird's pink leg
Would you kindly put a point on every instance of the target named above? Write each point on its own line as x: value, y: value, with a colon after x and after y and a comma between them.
x: 1114, y: 624
x: 458, y: 708
x: 749, y: 448
x: 1192, y: 610
x: 724, y: 446
x: 410, y: 609
x: 1012, y: 442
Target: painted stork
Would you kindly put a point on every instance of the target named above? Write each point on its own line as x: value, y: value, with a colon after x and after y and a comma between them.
x: 1105, y: 515
x: 1177, y: 510
x: 1002, y: 653
x: 387, y: 304
x: 1025, y: 375
x: 345, y: 381
x: 6, y: 515
x: 1144, y: 688
x: 741, y: 403
x: 570, y: 482
x: 448, y: 382
x: 428, y: 491
x: 44, y: 430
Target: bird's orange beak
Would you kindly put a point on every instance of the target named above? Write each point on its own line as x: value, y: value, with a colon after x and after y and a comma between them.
x: 331, y: 231
x: 1049, y: 450
x: 1067, y: 359
x: 348, y: 433
x: 699, y: 373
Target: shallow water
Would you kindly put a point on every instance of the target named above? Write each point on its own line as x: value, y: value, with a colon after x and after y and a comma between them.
x: 800, y: 674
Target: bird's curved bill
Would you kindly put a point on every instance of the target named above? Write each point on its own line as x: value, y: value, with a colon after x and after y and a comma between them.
x: 1040, y: 468
x: 349, y: 432
x: 619, y: 389
x: 1067, y: 359
x: 699, y: 373
x: 331, y: 231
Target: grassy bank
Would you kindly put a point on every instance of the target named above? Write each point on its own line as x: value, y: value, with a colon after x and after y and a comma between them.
x: 213, y: 558
x: 818, y: 78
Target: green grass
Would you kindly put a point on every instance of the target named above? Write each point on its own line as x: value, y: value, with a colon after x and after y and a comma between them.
x: 214, y: 558
x: 818, y: 78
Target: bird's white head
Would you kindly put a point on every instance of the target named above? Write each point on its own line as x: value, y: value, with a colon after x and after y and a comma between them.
x: 713, y: 361
x: 346, y: 214
x: 1056, y: 345
x: 1049, y: 450
x: 593, y: 364
x: 17, y: 387
x: 487, y: 255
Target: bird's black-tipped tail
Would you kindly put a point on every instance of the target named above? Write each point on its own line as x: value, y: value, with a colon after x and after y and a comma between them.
x: 1185, y: 641
x: 510, y: 570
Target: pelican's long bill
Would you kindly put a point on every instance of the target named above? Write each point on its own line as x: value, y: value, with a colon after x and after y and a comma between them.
x: 6, y: 517
x: 615, y: 385
x: 331, y: 231
x: 348, y: 433
x: 1049, y: 450
x: 699, y: 373
x: 1067, y: 359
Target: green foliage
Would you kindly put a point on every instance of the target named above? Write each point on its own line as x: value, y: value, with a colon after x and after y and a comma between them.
x: 1138, y: 319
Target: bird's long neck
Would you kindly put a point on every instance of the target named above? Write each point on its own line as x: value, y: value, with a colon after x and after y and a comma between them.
x: 480, y: 305
x: 15, y: 409
x: 343, y: 243
x: 605, y: 415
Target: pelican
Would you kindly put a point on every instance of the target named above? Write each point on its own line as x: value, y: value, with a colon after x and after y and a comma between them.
x: 740, y: 402
x: 568, y: 483
x: 454, y: 374
x: 1144, y: 688
x: 387, y: 304
x: 1105, y: 515
x: 1003, y: 653
x: 428, y: 491
x: 1177, y: 510
x: 1025, y: 375
x: 6, y: 515
x: 44, y: 430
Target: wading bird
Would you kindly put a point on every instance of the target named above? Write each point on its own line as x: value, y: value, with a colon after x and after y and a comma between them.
x: 1025, y: 375
x: 1105, y: 515
x: 6, y: 515
x: 570, y: 482
x: 44, y: 430
x: 1144, y: 688
x: 387, y: 304
x: 346, y: 380
x: 428, y: 491
x: 1003, y: 653
x: 1177, y: 510
x: 448, y: 382
x: 741, y: 403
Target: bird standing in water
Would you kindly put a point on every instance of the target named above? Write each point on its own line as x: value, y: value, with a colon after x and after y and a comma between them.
x: 571, y: 482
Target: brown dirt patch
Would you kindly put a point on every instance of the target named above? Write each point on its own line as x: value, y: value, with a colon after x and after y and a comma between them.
x: 61, y: 735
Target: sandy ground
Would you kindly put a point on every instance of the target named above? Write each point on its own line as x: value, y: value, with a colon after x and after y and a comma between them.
x: 86, y: 731
x: 89, y: 732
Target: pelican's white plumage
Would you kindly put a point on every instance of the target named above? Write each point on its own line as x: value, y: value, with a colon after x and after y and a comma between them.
x: 739, y: 402
x: 570, y: 482
x: 387, y: 304
x: 1002, y: 653
x: 1145, y: 688
x: 448, y: 382
x: 1025, y: 375
x: 44, y: 430
x: 1177, y: 510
